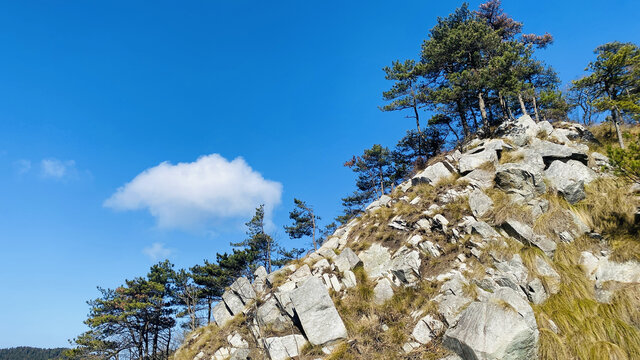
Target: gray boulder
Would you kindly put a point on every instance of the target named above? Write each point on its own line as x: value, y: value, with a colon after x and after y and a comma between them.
x: 382, y: 201
x: 382, y: 292
x: 242, y: 287
x: 521, y: 131
x: 433, y: 174
x: 503, y: 327
x: 301, y: 274
x: 376, y: 260
x: 347, y: 260
x: 525, y: 234
x: 405, y: 265
x: 221, y: 314
x: 233, y: 302
x: 317, y: 314
x: 569, y: 179
x: 269, y: 314
x: 479, y: 203
x: 549, y: 274
x: 430, y: 248
x: 485, y: 230
x: 480, y: 178
x: 349, y: 280
x: 511, y: 273
x: 282, y: 295
x: 601, y: 269
x: 285, y: 347
x: 521, y: 179
x: 450, y: 306
x: 427, y: 329
x: 536, y: 292
x: 470, y: 162
x: 240, y: 354
x: 260, y: 273
x: 551, y: 152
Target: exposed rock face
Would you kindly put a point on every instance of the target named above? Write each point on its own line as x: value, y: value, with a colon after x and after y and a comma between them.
x: 233, y: 302
x: 405, y: 265
x: 427, y: 329
x: 375, y: 260
x: 382, y: 292
x: 608, y: 274
x: 433, y: 174
x: 569, y: 179
x: 285, y: 347
x: 221, y: 314
x: 242, y: 287
x: 319, y: 318
x: 347, y: 260
x: 383, y: 201
x: 475, y: 291
x: 480, y: 178
x: 503, y: 327
x: 520, y: 179
x: 525, y: 234
x: 269, y: 314
x: 551, y: 152
x: 479, y: 203
x: 469, y: 162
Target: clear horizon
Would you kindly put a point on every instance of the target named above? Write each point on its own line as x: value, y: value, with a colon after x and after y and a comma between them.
x: 107, y: 106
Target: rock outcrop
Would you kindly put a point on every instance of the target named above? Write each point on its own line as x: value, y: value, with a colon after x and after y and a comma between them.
x: 471, y: 264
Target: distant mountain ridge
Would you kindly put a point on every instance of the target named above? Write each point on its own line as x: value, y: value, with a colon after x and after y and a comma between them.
x: 30, y: 353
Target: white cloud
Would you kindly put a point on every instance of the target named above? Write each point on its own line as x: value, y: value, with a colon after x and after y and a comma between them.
x: 57, y: 169
x: 191, y: 195
x: 157, y: 251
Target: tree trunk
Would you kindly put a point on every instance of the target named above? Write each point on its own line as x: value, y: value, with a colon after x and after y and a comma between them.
x: 454, y: 132
x: 475, y: 118
x: 168, y: 348
x: 415, y: 111
x: 523, y: 108
x: 154, y: 350
x: 269, y: 256
x: 381, y: 181
x: 209, y: 303
x: 463, y: 120
x: 483, y: 111
x: 313, y: 223
x: 503, y: 106
x: 509, y: 111
x: 535, y: 106
x: 615, y: 116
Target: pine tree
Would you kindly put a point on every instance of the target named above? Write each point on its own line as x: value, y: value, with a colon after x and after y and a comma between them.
x: 614, y: 82
x: 259, y: 246
x: 407, y: 92
x: 626, y: 162
x: 305, y: 222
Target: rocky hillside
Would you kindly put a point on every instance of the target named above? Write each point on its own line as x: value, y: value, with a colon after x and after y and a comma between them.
x: 522, y: 246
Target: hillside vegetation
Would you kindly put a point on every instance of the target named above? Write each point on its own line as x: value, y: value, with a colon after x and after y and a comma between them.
x: 30, y: 353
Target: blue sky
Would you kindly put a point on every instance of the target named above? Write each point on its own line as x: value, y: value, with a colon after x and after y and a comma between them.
x: 93, y: 94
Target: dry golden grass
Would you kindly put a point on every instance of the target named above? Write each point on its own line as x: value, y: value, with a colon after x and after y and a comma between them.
x: 609, y: 209
x: 587, y: 329
x: 608, y: 206
x: 211, y: 337
x: 512, y: 156
x: 504, y: 209
x: 555, y: 220
x: 606, y: 135
x: 364, y: 320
